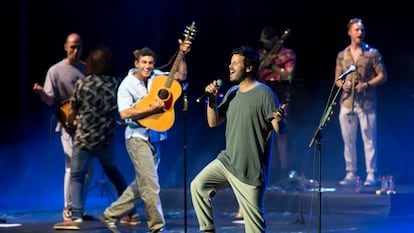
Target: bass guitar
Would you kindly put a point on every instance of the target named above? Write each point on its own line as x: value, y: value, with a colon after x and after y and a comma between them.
x: 63, y: 116
x: 168, y: 90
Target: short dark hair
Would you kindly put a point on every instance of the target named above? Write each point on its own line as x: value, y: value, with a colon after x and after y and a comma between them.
x: 251, y: 57
x: 352, y: 21
x: 144, y: 52
x: 100, y: 61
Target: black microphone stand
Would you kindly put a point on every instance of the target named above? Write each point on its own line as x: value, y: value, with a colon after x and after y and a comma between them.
x: 185, y: 110
x: 317, y: 137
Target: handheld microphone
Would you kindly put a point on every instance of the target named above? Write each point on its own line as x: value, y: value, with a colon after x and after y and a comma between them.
x: 351, y: 69
x: 219, y: 83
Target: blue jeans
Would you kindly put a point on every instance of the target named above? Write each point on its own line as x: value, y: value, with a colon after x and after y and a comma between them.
x: 81, y: 160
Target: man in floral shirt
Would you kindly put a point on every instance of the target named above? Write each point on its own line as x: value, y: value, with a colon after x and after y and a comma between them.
x: 277, y: 71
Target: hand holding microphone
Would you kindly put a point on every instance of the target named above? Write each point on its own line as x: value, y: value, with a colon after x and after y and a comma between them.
x: 210, y: 90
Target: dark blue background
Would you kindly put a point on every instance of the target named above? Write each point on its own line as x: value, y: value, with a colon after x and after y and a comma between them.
x: 33, y: 34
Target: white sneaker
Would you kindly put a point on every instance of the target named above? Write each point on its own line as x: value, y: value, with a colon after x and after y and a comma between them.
x: 370, y: 180
x: 349, y: 179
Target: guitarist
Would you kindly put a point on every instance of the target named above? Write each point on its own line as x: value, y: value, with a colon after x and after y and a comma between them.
x: 134, y: 87
x: 58, y: 88
x: 277, y: 72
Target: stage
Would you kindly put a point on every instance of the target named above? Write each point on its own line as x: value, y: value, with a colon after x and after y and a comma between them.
x: 288, y: 209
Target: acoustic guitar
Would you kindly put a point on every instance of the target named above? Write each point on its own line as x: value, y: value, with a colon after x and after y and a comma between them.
x: 168, y: 90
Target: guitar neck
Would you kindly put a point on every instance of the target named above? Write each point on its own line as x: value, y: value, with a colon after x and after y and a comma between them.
x: 273, y: 51
x: 275, y: 48
x: 174, y: 68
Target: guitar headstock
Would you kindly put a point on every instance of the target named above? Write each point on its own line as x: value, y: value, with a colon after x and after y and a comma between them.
x: 285, y: 34
x: 189, y: 32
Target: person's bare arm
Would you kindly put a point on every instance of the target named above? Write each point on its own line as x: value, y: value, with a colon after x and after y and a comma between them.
x: 156, y: 106
x: 38, y: 89
x: 278, y: 122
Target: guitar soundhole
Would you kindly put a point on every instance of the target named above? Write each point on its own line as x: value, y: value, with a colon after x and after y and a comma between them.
x: 163, y: 94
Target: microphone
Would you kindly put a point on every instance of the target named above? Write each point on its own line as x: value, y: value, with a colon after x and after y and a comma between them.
x: 219, y: 83
x: 351, y: 69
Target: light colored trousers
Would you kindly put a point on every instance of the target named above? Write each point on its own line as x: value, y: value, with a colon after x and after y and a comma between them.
x: 144, y: 186
x: 215, y: 177
x: 366, y: 120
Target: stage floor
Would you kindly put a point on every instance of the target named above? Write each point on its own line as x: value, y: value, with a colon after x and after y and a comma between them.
x: 334, y: 209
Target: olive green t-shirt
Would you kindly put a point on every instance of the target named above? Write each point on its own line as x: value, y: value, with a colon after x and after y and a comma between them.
x: 248, y: 132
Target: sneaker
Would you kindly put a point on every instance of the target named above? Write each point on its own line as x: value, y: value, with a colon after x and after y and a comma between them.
x: 67, y: 214
x: 349, y: 179
x: 370, y: 180
x: 68, y: 225
x: 111, y: 225
x: 130, y: 220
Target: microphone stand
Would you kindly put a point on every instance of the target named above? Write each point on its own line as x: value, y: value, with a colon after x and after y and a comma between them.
x: 317, y: 137
x: 185, y: 110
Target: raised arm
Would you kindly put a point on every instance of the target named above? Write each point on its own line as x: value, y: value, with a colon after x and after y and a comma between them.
x: 213, y: 117
x: 181, y: 74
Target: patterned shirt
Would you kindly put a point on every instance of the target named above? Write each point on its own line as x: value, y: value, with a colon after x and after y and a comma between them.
x: 95, y: 100
x: 369, y: 64
x: 285, y: 58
